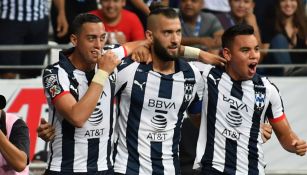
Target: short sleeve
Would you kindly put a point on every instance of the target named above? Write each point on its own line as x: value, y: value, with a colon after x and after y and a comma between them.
x: 275, y: 110
x: 55, y: 85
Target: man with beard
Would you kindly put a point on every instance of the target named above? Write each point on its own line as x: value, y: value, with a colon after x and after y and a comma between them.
x: 153, y: 99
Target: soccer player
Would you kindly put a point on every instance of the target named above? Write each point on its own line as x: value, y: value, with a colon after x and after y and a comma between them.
x: 236, y: 101
x: 153, y: 99
x: 80, y: 94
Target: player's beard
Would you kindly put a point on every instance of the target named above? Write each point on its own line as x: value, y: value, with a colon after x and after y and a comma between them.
x: 162, y: 53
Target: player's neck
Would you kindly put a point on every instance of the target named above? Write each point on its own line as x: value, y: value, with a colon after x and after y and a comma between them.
x: 163, y: 67
x: 80, y: 64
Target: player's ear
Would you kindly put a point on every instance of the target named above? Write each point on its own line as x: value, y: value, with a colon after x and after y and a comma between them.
x: 227, y: 54
x: 73, y: 39
x: 148, y: 35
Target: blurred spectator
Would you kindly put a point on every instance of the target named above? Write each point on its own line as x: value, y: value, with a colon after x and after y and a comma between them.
x: 122, y: 25
x: 216, y: 6
x: 72, y: 9
x: 265, y: 16
x: 25, y: 22
x: 141, y: 8
x: 14, y: 143
x: 199, y: 29
x: 241, y: 12
x: 290, y: 33
x: 220, y: 8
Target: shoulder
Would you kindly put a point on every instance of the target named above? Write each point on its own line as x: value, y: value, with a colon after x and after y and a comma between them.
x: 126, y: 62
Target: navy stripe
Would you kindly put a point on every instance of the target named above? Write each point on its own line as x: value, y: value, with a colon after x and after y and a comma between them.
x: 51, y: 142
x: 133, y: 122
x: 253, y: 155
x: 211, y: 116
x: 68, y: 150
x: 93, y: 153
x: 166, y: 87
x: 231, y: 145
x: 165, y: 91
x: 109, y: 149
x: 156, y: 158
x: 188, y: 76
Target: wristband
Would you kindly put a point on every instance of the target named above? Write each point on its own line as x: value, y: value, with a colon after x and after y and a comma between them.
x: 191, y: 52
x: 100, y: 77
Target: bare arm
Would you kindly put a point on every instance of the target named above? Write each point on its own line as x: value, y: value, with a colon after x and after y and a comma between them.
x: 62, y: 24
x: 288, y: 139
x: 131, y: 46
x: 16, y: 158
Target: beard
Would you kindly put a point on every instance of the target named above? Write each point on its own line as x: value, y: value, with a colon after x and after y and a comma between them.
x: 162, y: 53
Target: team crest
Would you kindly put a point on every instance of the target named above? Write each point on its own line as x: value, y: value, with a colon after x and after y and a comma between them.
x: 188, y: 91
x: 259, y: 100
x: 50, y: 80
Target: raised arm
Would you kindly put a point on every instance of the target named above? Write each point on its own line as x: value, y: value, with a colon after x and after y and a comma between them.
x: 77, y: 112
x: 287, y: 138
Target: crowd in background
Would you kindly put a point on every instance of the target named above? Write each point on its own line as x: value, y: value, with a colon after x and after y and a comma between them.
x: 203, y: 23
x: 279, y: 24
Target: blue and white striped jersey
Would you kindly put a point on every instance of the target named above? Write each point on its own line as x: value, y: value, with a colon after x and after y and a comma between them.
x: 151, y: 109
x: 24, y: 10
x: 230, y: 138
x: 85, y: 149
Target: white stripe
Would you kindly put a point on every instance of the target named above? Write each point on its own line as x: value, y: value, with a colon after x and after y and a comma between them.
x: 5, y: 9
x: 20, y: 10
x: 12, y: 11
x: 28, y: 11
x: 36, y: 10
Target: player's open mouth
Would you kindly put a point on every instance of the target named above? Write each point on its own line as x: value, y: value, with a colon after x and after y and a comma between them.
x: 252, y: 67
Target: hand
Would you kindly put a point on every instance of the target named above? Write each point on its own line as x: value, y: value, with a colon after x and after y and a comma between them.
x: 300, y: 147
x: 142, y: 55
x: 45, y: 131
x: 266, y: 131
x: 108, y: 61
x: 213, y: 59
x: 62, y: 25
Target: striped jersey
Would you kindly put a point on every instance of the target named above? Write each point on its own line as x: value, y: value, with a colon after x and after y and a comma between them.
x: 151, y: 109
x: 85, y: 149
x: 230, y: 138
x: 24, y: 10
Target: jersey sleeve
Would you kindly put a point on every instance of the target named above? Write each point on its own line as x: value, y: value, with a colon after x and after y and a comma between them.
x: 55, y: 83
x: 196, y: 104
x: 117, y: 49
x: 20, y: 136
x: 275, y: 110
x: 125, y: 71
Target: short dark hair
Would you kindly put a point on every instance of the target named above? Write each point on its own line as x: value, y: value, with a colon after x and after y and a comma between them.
x: 157, y: 8
x: 232, y: 32
x: 81, y: 19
